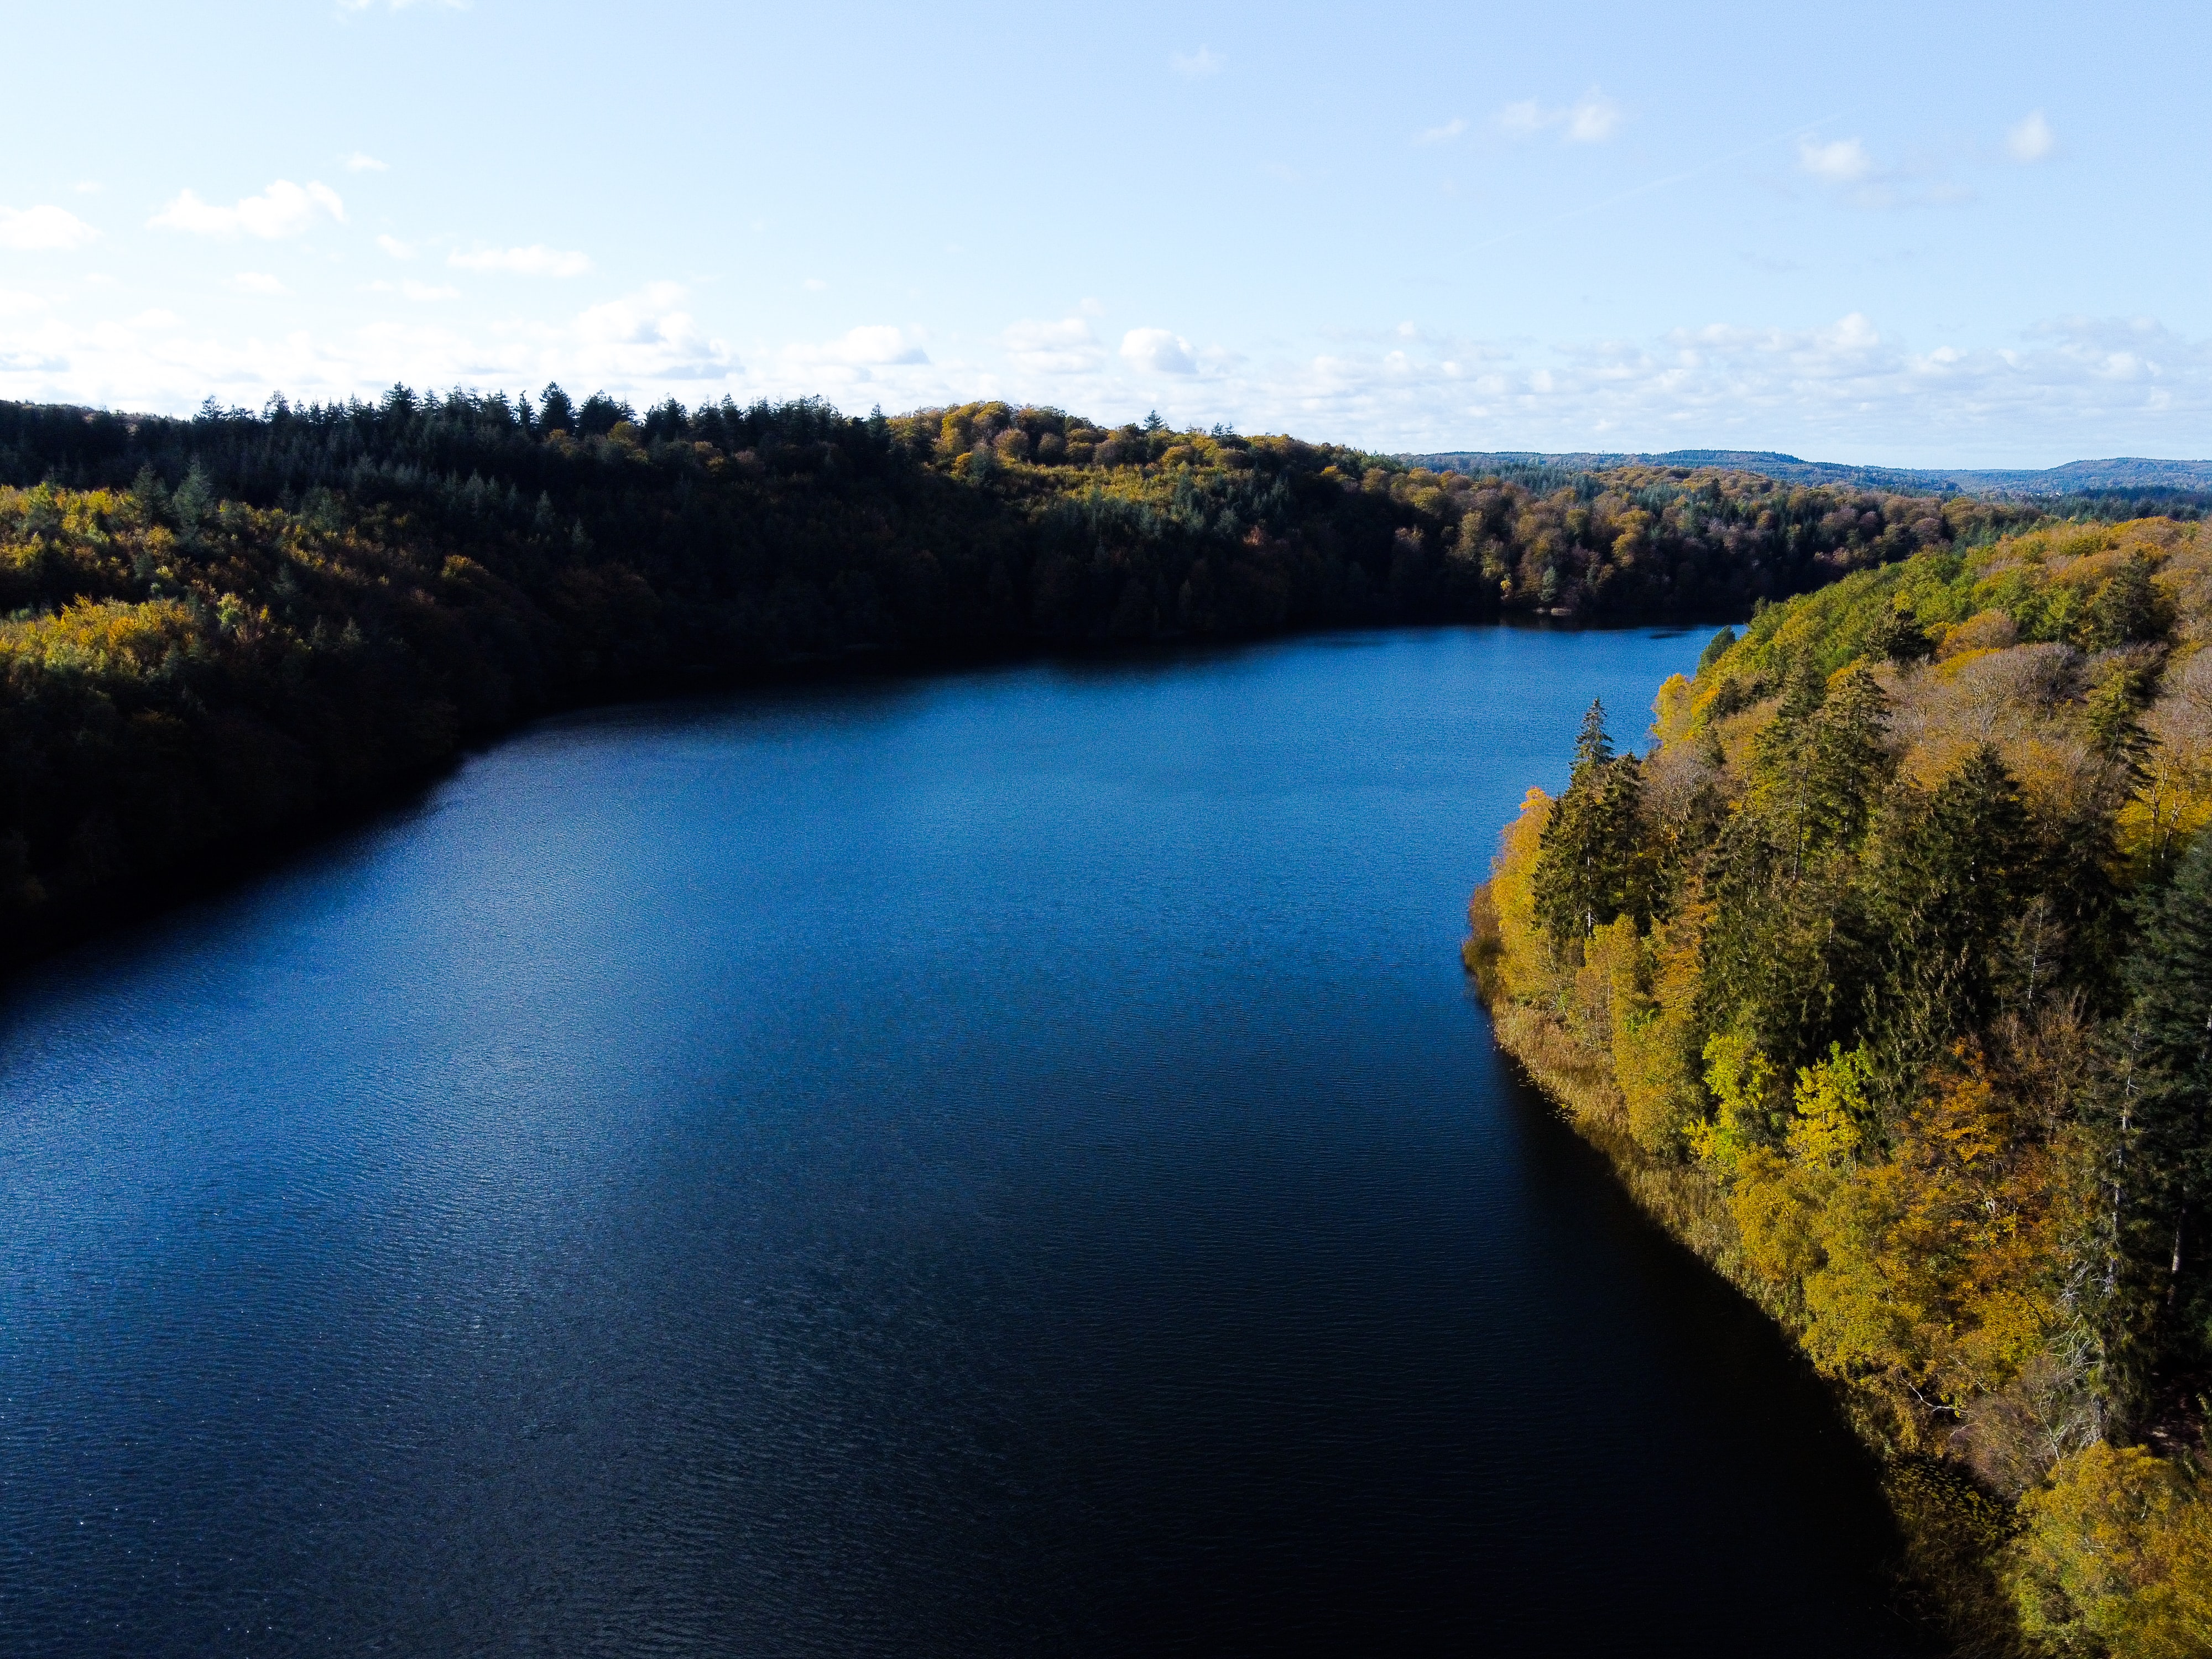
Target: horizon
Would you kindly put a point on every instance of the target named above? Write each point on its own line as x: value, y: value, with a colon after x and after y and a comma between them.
x: 1684, y: 455
x: 1535, y: 236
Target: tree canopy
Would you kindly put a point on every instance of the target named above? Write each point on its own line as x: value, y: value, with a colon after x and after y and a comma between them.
x: 219, y: 628
x: 1907, y: 1021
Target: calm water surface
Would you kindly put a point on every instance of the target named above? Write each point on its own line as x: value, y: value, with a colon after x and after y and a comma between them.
x: 1000, y: 1165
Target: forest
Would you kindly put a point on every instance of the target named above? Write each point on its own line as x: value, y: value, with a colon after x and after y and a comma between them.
x: 221, y: 630
x: 1883, y: 972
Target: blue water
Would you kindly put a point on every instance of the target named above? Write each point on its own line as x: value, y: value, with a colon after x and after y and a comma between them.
x: 1004, y: 1163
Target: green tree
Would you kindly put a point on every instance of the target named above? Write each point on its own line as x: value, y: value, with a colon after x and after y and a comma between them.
x: 1943, y: 881
x: 2170, y: 975
x: 1595, y: 862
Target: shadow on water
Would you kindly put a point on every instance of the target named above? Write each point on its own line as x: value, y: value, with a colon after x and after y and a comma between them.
x: 1773, y: 1428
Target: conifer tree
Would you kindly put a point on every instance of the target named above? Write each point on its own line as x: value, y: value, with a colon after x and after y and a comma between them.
x: 1595, y: 862
x: 2170, y: 975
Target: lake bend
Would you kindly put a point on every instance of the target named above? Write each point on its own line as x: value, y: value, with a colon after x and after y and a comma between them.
x: 1001, y: 1162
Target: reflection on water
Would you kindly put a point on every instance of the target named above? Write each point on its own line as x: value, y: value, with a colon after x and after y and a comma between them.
x: 995, y: 1165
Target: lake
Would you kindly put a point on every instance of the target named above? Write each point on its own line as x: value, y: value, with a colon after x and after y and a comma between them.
x: 999, y: 1163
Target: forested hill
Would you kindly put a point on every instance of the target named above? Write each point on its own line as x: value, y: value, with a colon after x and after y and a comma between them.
x: 1886, y: 975
x: 2125, y: 486
x: 221, y: 628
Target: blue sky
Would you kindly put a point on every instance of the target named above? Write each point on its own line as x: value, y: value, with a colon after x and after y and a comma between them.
x: 1966, y: 234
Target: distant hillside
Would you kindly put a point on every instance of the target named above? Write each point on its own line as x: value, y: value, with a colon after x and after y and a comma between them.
x: 217, y: 632
x: 2126, y: 474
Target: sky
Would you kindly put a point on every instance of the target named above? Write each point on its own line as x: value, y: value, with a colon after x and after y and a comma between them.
x: 1967, y: 234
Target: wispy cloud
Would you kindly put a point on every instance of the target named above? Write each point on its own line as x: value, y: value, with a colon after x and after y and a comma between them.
x: 873, y: 345
x: 396, y: 248
x: 360, y: 162
x: 532, y: 261
x: 643, y: 338
x: 1847, y: 167
x: 1838, y: 161
x: 2031, y: 139
x: 1449, y: 131
x: 44, y: 229
x: 1590, y: 119
x: 257, y: 282
x: 1066, y: 347
x: 1157, y: 351
x: 283, y: 210
x: 1196, y: 65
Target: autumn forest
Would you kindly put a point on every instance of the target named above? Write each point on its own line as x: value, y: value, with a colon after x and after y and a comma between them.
x: 1884, y: 973
x: 227, y: 628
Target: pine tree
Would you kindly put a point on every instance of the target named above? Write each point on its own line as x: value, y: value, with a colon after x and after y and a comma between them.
x: 2170, y: 975
x: 1944, y: 880
x: 1595, y: 862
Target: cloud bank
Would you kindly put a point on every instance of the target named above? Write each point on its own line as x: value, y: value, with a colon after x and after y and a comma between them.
x: 282, y: 210
x: 1843, y: 389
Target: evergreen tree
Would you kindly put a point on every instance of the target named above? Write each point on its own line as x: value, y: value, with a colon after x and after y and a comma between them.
x: 1942, y: 884
x: 1897, y: 636
x: 2127, y: 610
x: 1716, y: 648
x: 2170, y: 975
x: 1596, y: 862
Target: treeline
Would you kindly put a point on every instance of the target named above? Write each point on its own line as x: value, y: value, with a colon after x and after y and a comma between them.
x: 215, y: 629
x: 1885, y: 974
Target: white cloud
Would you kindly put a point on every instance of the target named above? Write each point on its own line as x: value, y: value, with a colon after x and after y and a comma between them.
x: 44, y: 229
x: 1196, y: 65
x: 1066, y: 347
x: 88, y: 186
x: 646, y: 337
x: 536, y: 260
x: 283, y: 210
x: 1156, y: 351
x: 1848, y: 168
x: 1847, y: 388
x: 415, y: 290
x: 257, y: 282
x: 1839, y: 161
x: 874, y: 345
x: 815, y: 285
x: 2031, y: 139
x: 1449, y: 130
x: 1842, y: 391
x: 395, y: 248
x: 1524, y: 119
x: 1590, y: 119
x: 360, y: 161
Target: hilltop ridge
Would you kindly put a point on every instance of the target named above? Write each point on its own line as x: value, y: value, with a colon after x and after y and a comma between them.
x: 2127, y: 474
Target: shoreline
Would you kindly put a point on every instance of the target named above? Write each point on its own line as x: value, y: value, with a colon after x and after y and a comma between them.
x: 1949, y: 1530
x: 160, y: 892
